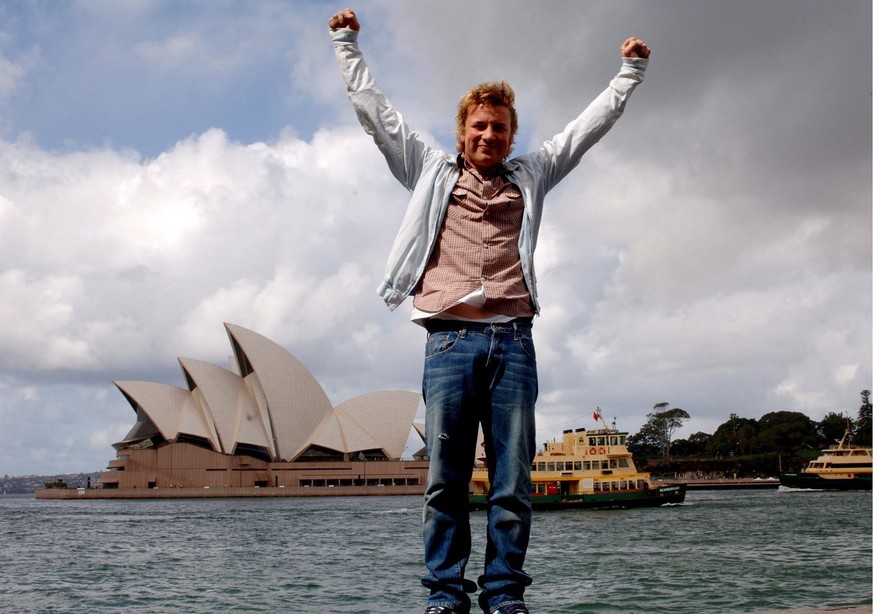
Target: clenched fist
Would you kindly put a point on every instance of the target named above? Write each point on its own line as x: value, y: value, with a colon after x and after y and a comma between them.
x: 635, y: 48
x: 345, y: 18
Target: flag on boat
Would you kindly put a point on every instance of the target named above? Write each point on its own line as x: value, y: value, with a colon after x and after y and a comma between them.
x: 597, y: 415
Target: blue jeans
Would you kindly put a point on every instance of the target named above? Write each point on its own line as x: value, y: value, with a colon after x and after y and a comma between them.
x: 481, y: 373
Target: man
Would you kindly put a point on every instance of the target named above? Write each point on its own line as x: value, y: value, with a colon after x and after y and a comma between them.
x: 465, y: 251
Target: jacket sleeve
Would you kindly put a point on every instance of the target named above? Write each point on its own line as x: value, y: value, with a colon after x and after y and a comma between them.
x: 558, y: 156
x: 403, y: 150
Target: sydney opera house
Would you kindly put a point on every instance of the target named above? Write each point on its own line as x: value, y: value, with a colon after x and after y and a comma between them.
x: 264, y: 428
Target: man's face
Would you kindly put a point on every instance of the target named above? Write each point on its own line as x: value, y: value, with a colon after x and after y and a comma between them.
x: 487, y: 136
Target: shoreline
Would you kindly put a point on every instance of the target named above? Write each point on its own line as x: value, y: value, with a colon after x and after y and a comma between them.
x: 227, y: 492
x: 329, y: 491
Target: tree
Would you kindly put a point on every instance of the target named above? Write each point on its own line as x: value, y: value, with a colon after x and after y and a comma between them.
x: 695, y: 445
x: 863, y: 426
x: 736, y: 437
x: 786, y: 431
x: 642, y: 445
x: 662, y: 424
x: 832, y: 428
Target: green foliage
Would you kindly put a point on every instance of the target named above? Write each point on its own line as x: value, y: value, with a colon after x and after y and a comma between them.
x: 832, y: 427
x: 656, y: 434
x: 56, y: 484
x: 863, y: 433
x: 642, y: 446
x: 695, y: 445
x: 778, y: 434
x: 785, y: 431
x: 736, y: 437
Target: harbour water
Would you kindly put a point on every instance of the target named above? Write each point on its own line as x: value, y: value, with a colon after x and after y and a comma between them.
x: 720, y: 552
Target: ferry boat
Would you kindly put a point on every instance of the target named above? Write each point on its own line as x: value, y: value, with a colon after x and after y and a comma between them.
x: 840, y: 467
x: 587, y: 470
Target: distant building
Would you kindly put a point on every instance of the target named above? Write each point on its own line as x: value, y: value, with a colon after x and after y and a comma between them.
x: 265, y: 428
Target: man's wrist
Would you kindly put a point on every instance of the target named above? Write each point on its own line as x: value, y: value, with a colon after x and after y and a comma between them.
x: 636, y: 64
x: 344, y: 35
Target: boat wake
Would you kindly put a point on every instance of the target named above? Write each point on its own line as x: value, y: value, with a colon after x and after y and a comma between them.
x: 784, y: 488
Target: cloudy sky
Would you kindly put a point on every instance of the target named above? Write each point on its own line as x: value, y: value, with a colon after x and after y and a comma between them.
x: 168, y: 166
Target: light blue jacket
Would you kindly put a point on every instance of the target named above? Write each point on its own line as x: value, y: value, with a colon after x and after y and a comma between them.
x: 430, y: 174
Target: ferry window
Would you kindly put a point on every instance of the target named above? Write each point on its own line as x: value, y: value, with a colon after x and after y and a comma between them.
x: 622, y: 440
x: 613, y: 464
x: 595, y: 465
x: 615, y: 486
x: 560, y: 466
x: 541, y: 466
x: 631, y: 485
x: 596, y: 486
x: 623, y: 485
x: 622, y: 462
x: 592, y: 441
x: 601, y: 441
x: 551, y: 466
x: 606, y: 487
x: 533, y: 466
x: 577, y: 466
x: 587, y: 465
x: 613, y: 440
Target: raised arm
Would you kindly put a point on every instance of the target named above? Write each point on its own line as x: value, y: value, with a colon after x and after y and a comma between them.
x: 562, y: 153
x: 403, y: 150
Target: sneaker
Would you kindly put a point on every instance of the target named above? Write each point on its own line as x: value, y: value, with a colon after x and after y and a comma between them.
x: 439, y: 609
x: 515, y: 608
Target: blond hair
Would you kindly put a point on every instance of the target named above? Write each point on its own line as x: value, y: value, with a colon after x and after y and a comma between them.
x: 493, y: 93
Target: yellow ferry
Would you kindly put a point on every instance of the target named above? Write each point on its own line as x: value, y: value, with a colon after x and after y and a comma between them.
x: 840, y: 467
x: 586, y: 469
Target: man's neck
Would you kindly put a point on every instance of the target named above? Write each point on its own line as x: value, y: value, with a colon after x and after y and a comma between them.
x: 485, y: 173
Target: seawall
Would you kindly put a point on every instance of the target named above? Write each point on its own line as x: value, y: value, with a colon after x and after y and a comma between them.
x: 226, y: 492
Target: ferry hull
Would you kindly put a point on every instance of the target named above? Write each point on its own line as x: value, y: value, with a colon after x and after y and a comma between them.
x: 654, y: 497
x: 816, y: 482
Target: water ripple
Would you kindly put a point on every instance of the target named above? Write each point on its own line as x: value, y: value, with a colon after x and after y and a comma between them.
x: 720, y: 553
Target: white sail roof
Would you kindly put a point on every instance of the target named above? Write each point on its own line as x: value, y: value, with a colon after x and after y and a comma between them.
x: 273, y: 403
x: 224, y: 399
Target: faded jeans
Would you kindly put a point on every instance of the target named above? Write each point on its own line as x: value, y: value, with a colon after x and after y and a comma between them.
x: 478, y: 373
